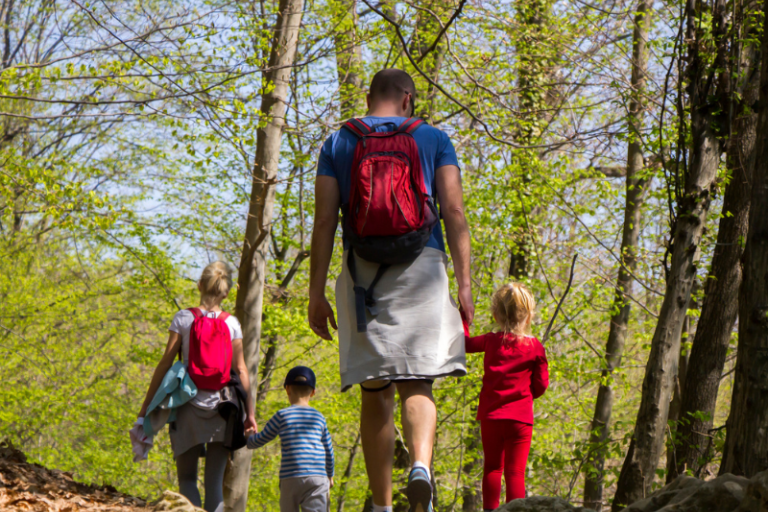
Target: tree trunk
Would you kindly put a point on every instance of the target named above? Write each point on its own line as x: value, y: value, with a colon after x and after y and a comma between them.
x: 676, y: 404
x: 349, y: 65
x: 472, y: 498
x: 534, y: 60
x: 400, y: 466
x: 347, y: 474
x: 718, y: 315
x: 746, y: 445
x: 430, y: 59
x: 252, y: 271
x: 617, y: 334
x: 535, y: 65
x: 267, y: 368
x: 647, y: 443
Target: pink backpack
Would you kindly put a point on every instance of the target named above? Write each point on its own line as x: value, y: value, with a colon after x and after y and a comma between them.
x: 210, y: 351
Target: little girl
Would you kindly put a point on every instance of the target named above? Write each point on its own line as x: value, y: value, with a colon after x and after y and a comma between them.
x: 515, y: 373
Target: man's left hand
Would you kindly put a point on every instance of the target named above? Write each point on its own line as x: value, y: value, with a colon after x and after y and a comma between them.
x: 320, y: 313
x: 467, y: 303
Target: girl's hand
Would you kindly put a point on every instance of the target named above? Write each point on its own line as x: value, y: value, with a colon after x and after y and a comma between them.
x: 331, y: 481
x: 251, y: 427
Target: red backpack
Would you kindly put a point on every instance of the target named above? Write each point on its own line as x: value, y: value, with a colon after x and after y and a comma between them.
x: 390, y: 215
x: 210, y: 351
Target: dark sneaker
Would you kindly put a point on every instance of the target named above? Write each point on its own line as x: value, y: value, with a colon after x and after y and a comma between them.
x: 419, y: 491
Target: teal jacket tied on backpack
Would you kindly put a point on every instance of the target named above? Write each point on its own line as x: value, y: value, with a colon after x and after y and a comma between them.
x: 176, y: 389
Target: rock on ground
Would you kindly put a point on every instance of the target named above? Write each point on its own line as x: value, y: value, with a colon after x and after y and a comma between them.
x: 687, y: 494
x: 756, y: 496
x: 541, y: 504
x: 174, y: 502
x: 726, y: 493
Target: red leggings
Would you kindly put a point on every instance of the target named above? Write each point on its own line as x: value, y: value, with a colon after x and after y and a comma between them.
x: 506, y: 444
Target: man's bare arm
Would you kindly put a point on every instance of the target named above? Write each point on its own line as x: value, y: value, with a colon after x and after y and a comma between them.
x: 451, y: 198
x: 327, y: 201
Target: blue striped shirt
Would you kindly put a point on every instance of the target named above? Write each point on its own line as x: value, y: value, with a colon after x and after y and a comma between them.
x: 305, y: 443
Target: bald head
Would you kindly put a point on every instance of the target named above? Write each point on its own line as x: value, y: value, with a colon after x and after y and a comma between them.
x: 393, y: 86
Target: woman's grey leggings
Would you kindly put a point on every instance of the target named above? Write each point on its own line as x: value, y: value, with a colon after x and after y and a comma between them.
x: 215, y: 463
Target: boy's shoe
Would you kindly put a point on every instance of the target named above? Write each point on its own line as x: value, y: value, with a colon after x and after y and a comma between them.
x: 419, y: 491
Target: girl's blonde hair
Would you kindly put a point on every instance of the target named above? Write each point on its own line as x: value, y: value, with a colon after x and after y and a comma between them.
x: 216, y: 280
x: 513, y: 306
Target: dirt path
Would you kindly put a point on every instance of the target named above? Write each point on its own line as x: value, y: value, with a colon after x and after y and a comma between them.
x: 31, y: 487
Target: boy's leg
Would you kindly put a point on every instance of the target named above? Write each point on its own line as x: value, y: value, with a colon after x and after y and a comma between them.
x: 492, y: 434
x: 517, y: 445
x: 316, y: 497
x: 377, y: 432
x: 186, y: 470
x: 215, y: 464
x: 291, y: 492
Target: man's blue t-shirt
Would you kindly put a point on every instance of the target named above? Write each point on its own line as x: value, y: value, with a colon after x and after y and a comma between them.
x: 435, y: 151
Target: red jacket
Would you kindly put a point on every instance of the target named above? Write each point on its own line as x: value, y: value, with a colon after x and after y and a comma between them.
x: 515, y: 374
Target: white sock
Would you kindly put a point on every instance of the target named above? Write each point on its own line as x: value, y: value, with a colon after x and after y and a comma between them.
x: 423, y: 466
x: 379, y: 508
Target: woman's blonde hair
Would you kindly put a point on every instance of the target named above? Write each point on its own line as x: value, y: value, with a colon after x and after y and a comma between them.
x: 215, y: 280
x: 513, y: 306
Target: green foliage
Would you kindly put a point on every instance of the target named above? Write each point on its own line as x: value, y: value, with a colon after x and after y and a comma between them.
x: 127, y: 159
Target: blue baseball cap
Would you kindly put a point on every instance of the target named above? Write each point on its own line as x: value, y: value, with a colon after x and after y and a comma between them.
x: 300, y: 376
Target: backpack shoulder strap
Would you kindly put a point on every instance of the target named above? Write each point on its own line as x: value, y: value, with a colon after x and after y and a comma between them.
x: 410, y: 125
x: 223, y: 316
x: 195, y: 312
x: 358, y: 128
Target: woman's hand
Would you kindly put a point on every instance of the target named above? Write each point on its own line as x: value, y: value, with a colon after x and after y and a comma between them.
x: 251, y: 427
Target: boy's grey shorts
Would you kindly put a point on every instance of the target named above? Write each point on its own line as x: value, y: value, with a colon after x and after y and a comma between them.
x: 305, y: 494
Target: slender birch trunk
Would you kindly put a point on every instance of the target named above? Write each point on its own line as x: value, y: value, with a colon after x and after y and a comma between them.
x: 635, y: 192
x: 252, y: 271
x: 698, y: 183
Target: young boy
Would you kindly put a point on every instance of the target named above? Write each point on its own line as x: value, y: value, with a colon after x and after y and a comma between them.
x: 306, y: 467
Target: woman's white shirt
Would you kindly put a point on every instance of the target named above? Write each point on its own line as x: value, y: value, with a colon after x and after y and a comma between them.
x: 182, y: 324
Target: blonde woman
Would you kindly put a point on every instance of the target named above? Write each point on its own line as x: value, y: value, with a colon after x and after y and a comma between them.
x: 515, y: 373
x: 198, y: 423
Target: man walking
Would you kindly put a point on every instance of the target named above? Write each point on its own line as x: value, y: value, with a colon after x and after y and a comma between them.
x: 399, y: 328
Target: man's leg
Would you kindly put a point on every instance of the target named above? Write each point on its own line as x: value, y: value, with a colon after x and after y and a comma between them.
x: 377, y: 432
x: 419, y: 418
